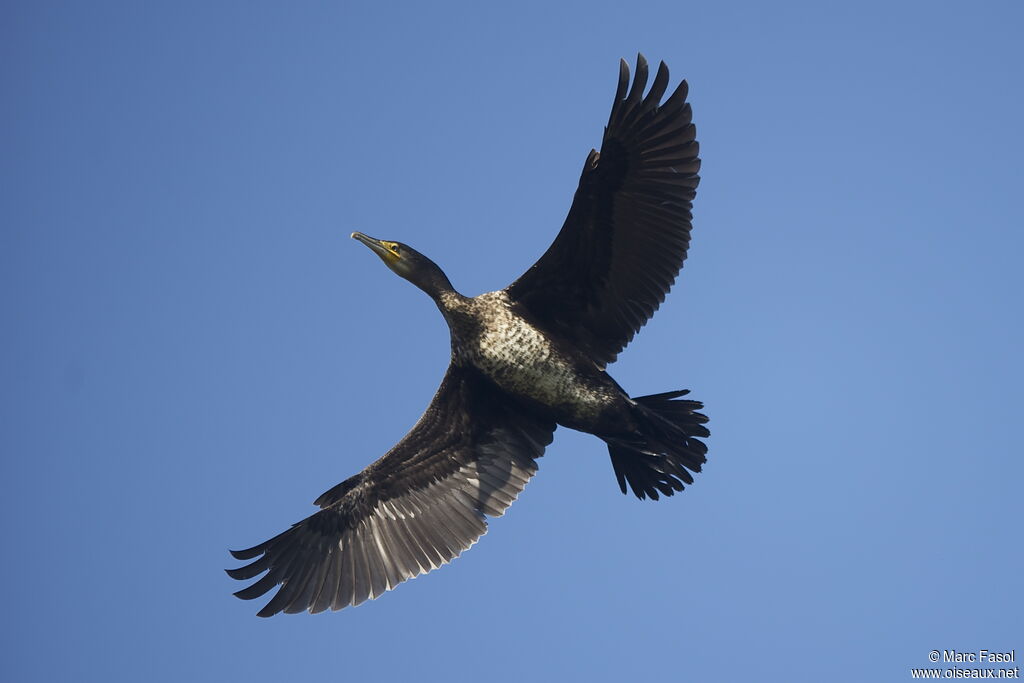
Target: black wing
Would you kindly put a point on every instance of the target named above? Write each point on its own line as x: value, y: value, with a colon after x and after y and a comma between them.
x: 628, y: 229
x: 412, y: 511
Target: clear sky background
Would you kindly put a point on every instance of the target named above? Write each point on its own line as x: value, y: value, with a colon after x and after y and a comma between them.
x: 193, y: 349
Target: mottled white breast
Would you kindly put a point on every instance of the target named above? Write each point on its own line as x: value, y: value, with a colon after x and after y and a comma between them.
x: 522, y: 360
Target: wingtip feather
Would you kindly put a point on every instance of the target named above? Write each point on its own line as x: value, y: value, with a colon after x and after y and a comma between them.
x: 248, y: 553
x: 639, y: 80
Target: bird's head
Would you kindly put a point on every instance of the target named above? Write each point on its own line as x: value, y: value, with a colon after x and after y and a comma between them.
x: 408, y: 263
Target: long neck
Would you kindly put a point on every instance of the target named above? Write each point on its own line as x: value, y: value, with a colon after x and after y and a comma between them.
x: 435, y: 283
x: 429, y: 277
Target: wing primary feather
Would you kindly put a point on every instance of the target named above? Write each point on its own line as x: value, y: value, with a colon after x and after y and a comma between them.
x: 323, y: 599
x: 635, y: 96
x: 257, y: 589
x: 286, y: 593
x: 620, y: 91
x: 639, y: 80
x: 397, y: 554
x: 377, y: 564
x: 252, y: 569
x: 360, y: 568
x: 659, y: 85
x: 393, y: 572
x: 346, y: 579
x: 252, y: 552
x: 309, y: 586
x: 281, y: 559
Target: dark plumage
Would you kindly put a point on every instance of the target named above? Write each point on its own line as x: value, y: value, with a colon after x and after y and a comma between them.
x: 524, y: 360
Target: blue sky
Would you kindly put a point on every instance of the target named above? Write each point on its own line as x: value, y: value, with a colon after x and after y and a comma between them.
x: 193, y: 349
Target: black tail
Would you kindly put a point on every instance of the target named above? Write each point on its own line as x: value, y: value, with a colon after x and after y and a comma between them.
x: 664, y: 450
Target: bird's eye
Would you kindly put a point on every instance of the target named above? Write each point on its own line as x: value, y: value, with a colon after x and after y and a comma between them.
x: 394, y: 248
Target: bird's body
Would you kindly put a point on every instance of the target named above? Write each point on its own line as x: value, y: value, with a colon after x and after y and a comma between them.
x: 497, y: 337
x: 524, y: 360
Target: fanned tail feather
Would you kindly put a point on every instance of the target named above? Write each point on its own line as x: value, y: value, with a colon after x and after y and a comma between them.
x: 666, y: 450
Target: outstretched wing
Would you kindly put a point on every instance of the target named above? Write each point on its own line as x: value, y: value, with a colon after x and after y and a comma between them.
x: 412, y: 511
x: 628, y: 229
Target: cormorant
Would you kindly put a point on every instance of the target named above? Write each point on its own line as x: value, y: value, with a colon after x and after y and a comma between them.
x: 524, y: 360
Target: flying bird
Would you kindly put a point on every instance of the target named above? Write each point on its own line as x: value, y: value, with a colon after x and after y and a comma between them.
x: 524, y: 360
